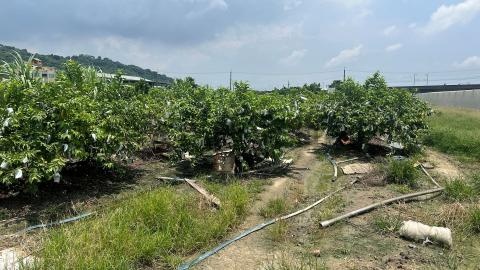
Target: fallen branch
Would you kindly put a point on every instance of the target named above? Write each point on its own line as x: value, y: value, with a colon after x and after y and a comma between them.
x: 329, y: 222
x: 210, y: 198
x: 270, y: 168
x: 335, y: 169
x: 223, y: 245
x: 429, y: 176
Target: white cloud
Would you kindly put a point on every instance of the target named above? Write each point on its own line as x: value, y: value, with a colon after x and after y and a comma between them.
x: 294, y: 57
x: 364, y: 12
x: 291, y: 4
x: 350, y: 3
x: 412, y: 25
x: 394, y: 47
x: 448, y: 15
x: 472, y: 61
x: 345, y: 56
x: 209, y: 5
x: 240, y: 36
x: 389, y: 30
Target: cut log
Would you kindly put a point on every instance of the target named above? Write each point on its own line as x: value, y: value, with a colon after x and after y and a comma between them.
x: 329, y: 222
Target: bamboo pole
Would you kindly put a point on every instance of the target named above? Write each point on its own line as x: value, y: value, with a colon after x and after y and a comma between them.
x: 335, y: 169
x: 329, y: 222
x: 429, y: 176
x: 347, y: 160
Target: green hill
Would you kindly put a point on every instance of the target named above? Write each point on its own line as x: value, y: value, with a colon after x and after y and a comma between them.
x: 104, y: 64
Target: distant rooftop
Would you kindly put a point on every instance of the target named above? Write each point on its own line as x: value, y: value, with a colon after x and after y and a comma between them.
x: 125, y: 77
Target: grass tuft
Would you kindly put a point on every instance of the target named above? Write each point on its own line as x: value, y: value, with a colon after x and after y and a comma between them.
x: 458, y: 190
x: 274, y: 208
x: 278, y: 232
x: 296, y: 262
x: 402, y: 172
x: 384, y: 223
x: 474, y: 219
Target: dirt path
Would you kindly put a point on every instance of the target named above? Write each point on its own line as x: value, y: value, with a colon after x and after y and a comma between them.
x: 253, y: 251
x: 444, y: 166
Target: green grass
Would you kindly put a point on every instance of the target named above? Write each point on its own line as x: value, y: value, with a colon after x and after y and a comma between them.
x: 296, y: 262
x: 386, y: 223
x: 455, y: 131
x: 158, y: 226
x: 459, y: 190
x: 474, y: 219
x: 278, y: 232
x: 274, y: 208
x: 402, y: 172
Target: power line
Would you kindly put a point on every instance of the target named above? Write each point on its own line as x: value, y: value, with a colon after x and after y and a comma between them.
x: 286, y: 74
x: 411, y: 72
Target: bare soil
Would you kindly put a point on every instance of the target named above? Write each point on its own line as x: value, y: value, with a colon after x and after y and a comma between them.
x: 356, y: 243
x: 255, y: 250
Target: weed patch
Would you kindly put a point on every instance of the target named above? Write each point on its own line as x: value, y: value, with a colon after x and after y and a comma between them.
x: 402, y: 172
x: 385, y: 223
x: 458, y: 190
x: 278, y: 231
x: 474, y: 219
x: 303, y: 263
x: 274, y: 208
x: 155, y: 225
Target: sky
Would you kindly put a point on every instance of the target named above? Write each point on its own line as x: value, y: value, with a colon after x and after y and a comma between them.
x: 268, y: 43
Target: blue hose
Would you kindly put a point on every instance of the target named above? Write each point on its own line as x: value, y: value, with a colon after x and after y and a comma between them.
x: 34, y: 227
x: 209, y: 253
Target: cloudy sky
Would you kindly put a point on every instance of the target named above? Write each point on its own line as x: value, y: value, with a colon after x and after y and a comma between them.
x: 266, y: 42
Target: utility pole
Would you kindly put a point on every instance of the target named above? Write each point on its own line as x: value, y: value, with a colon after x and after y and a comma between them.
x: 427, y: 78
x: 288, y: 84
x: 414, y: 79
x: 343, y: 73
x: 230, y: 80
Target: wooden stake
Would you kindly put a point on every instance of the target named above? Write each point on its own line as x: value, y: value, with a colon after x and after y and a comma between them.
x: 210, y: 198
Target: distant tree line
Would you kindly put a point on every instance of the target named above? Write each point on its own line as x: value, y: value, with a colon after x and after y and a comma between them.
x: 104, y: 64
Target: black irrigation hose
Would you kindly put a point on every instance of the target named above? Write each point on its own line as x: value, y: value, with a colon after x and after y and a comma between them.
x: 39, y: 226
x: 209, y: 253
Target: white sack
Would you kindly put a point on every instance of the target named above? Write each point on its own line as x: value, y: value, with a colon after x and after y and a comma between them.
x: 418, y: 231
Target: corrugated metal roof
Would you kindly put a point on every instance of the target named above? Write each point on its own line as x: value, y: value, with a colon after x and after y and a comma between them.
x: 125, y: 77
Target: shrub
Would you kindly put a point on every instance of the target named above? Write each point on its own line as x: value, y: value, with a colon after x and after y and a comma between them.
x: 79, y: 117
x: 458, y: 190
x: 365, y: 111
x: 402, y: 172
x: 255, y: 126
